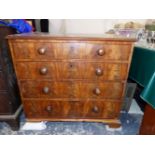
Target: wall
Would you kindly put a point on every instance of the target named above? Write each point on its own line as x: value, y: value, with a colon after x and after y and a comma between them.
x: 91, y: 26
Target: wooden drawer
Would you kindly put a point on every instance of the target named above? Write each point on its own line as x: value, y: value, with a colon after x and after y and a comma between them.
x: 111, y: 51
x: 49, y: 89
x: 35, y: 50
x: 105, y: 71
x: 36, y: 70
x: 102, y: 90
x: 71, y: 109
x: 71, y: 50
x: 71, y: 70
x: 3, y: 85
x: 47, y: 50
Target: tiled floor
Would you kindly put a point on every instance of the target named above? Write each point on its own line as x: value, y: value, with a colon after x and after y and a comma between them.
x: 130, y: 126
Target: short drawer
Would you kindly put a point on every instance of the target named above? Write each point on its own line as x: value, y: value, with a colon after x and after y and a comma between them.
x: 71, y: 109
x: 111, y: 51
x: 36, y: 70
x: 72, y: 70
x: 85, y: 90
x: 106, y: 71
x: 35, y: 50
x: 102, y: 90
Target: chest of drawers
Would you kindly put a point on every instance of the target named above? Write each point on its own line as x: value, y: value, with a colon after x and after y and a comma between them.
x: 71, y: 78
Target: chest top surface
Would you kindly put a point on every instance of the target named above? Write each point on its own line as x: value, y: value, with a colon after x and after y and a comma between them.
x: 78, y: 37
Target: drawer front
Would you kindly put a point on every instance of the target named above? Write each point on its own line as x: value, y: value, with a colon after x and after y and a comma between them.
x: 71, y: 70
x: 105, y: 71
x: 108, y: 52
x: 36, y: 70
x: 102, y: 90
x: 47, y: 50
x: 31, y: 50
x: 71, y: 50
x: 49, y: 89
x: 71, y: 109
x: 2, y: 82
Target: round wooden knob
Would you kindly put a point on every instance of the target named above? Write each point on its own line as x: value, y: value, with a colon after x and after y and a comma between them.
x: 42, y: 51
x: 95, y: 109
x: 101, y: 52
x: 46, y: 90
x: 99, y: 72
x: 43, y: 71
x: 49, y: 108
x: 97, y: 91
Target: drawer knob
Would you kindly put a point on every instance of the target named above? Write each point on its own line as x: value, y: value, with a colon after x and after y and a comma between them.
x: 99, y: 72
x: 46, y: 90
x: 97, y: 91
x: 95, y: 109
x: 43, y: 71
x: 49, y: 108
x: 42, y: 50
x: 101, y: 52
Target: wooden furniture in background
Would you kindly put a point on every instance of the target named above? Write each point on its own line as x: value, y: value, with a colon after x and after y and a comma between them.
x: 9, y: 95
x: 71, y: 78
x: 148, y: 121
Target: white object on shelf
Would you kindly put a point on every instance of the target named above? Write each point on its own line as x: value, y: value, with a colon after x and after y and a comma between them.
x: 34, y: 126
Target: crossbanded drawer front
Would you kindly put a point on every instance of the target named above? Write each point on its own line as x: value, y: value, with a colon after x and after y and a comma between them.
x: 70, y: 50
x: 115, y: 52
x: 35, y: 50
x: 82, y: 89
x: 36, y: 70
x: 72, y: 70
x: 71, y: 109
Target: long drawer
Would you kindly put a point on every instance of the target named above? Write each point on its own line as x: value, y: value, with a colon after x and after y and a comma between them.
x: 49, y: 50
x: 71, y: 109
x: 70, y: 89
x: 71, y: 70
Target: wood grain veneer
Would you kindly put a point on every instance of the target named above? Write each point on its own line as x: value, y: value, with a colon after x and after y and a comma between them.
x: 71, y: 78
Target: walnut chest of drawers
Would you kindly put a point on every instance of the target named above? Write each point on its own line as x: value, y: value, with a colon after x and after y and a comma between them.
x: 71, y: 78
